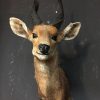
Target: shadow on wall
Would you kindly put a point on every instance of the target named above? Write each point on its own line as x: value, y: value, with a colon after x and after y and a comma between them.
x: 72, y: 56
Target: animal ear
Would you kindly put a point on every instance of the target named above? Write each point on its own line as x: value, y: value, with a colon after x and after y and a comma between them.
x: 70, y: 32
x: 19, y: 27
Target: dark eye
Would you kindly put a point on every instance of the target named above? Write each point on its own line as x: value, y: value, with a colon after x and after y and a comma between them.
x: 35, y: 35
x: 54, y: 38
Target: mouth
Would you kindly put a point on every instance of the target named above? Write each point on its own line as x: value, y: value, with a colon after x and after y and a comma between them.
x: 42, y: 56
x: 42, y: 53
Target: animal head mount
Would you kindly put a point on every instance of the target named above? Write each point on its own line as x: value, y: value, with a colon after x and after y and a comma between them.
x: 44, y: 37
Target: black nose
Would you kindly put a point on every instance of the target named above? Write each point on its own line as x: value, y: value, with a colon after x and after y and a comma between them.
x: 44, y: 48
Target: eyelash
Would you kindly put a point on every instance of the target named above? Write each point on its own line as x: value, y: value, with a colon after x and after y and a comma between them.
x: 35, y: 35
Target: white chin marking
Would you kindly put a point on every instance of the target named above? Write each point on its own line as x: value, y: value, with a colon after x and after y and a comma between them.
x: 42, y: 57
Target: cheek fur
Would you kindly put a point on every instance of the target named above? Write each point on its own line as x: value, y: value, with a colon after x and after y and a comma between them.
x: 52, y: 45
x: 35, y: 46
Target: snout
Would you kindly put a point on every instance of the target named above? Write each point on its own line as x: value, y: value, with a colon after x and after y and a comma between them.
x: 44, y: 49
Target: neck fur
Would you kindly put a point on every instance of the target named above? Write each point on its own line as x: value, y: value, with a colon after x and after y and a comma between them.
x: 46, y: 66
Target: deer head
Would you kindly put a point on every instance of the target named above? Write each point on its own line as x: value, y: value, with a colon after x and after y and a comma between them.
x: 45, y: 37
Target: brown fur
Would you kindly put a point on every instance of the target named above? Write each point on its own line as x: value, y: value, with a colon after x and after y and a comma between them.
x: 40, y: 29
x: 52, y: 82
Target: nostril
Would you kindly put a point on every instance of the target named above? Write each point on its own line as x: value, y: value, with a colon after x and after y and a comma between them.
x: 44, y: 48
x: 40, y: 47
x: 47, y: 47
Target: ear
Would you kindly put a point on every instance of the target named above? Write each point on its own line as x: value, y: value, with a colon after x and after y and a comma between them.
x: 19, y: 27
x: 70, y: 32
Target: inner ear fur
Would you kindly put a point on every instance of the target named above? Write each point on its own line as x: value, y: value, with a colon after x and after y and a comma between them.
x: 19, y: 27
x: 73, y: 30
x: 70, y: 32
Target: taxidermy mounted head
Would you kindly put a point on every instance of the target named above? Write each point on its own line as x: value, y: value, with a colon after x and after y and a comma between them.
x: 51, y: 80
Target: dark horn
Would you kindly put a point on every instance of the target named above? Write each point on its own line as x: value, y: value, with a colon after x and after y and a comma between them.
x: 59, y: 17
x: 35, y: 18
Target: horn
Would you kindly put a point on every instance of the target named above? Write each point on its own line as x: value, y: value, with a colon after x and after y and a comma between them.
x: 57, y: 21
x: 36, y: 19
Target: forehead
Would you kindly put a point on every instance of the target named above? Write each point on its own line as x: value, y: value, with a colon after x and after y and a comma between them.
x: 45, y: 28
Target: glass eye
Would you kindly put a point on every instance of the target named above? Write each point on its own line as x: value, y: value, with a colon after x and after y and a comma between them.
x: 54, y: 38
x: 35, y: 35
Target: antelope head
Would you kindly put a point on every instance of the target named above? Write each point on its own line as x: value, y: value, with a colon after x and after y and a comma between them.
x: 44, y: 36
